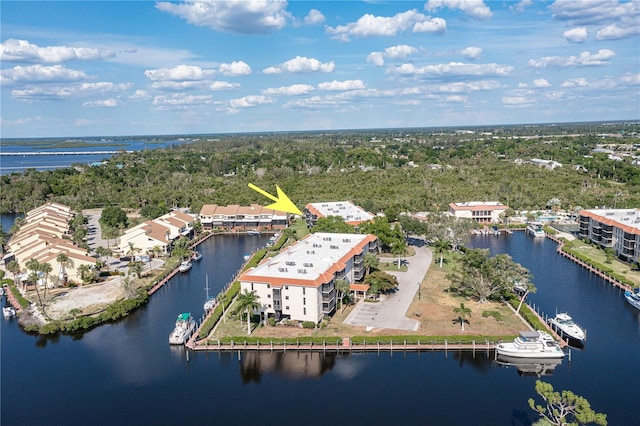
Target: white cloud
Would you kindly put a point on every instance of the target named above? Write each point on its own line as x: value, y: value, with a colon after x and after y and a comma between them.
x: 235, y: 68
x: 293, y: 90
x: 342, y: 85
x: 584, y: 59
x: 474, y: 8
x: 40, y: 74
x: 615, y: 31
x: 583, y: 12
x: 371, y: 26
x: 313, y: 103
x: 454, y: 68
x: 314, y: 17
x: 236, y: 16
x: 181, y: 100
x: 140, y: 95
x: 24, y: 51
x: 521, y: 5
x: 541, y: 82
x: 301, y: 64
x: 250, y: 101
x: 472, y: 52
x: 516, y: 101
x: 179, y: 85
x: 49, y: 92
x: 466, y: 87
x: 576, y: 35
x: 102, y: 87
x: 400, y: 51
x: 223, y: 85
x: 575, y: 82
x: 630, y: 79
x: 376, y: 58
x: 456, y: 99
x: 104, y: 103
x: 179, y: 73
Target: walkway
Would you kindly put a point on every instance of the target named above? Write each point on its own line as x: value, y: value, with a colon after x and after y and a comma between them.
x: 390, y: 311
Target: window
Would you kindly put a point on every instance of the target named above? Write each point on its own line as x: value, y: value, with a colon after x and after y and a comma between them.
x: 286, y: 298
x: 304, y: 311
x: 251, y: 286
x: 286, y: 308
x: 286, y: 287
x: 304, y: 300
x: 268, y: 296
x: 269, y: 305
x: 304, y: 290
x: 268, y: 285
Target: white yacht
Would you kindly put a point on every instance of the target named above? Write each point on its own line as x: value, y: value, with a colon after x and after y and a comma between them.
x: 633, y: 298
x: 8, y: 311
x: 210, y: 302
x: 535, y: 230
x: 185, y: 324
x: 185, y: 266
x: 564, y: 325
x: 197, y: 255
x: 531, y: 344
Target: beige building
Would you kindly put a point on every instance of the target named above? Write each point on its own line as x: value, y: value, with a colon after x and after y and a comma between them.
x: 43, y: 236
x: 618, y: 229
x: 299, y: 283
x: 236, y: 217
x: 480, y: 211
x: 159, y: 232
x: 349, y: 212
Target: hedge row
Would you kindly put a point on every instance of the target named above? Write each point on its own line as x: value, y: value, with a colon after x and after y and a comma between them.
x: 215, y: 316
x: 602, y: 268
x: 363, y: 340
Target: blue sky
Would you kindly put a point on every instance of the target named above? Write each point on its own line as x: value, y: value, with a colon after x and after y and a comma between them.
x: 108, y: 68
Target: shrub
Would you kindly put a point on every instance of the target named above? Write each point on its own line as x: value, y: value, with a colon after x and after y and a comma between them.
x: 495, y: 314
x: 271, y: 321
x: 308, y: 324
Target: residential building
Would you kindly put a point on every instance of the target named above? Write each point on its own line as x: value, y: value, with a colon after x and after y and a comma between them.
x: 618, y: 229
x: 299, y: 283
x: 236, y: 217
x: 349, y: 212
x: 549, y: 164
x: 157, y: 233
x: 480, y: 211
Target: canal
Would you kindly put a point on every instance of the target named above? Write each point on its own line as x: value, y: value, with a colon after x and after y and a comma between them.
x: 126, y: 373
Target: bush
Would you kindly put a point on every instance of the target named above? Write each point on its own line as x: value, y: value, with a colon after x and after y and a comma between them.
x: 308, y: 324
x: 495, y: 314
x: 271, y: 321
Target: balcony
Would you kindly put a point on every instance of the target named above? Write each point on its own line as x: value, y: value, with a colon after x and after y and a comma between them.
x: 327, y: 289
x: 328, y: 299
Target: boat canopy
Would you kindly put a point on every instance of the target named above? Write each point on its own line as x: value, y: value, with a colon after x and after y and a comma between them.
x: 529, y: 335
x: 184, y: 316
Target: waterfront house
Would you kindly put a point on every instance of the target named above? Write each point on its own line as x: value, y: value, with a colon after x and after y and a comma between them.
x: 480, y: 211
x: 236, y: 217
x: 349, y: 212
x: 299, y: 283
x: 618, y: 229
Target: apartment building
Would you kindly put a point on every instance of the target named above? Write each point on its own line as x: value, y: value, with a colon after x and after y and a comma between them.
x: 618, y: 229
x: 159, y: 232
x: 252, y: 217
x: 299, y: 283
x: 480, y: 211
x: 349, y: 212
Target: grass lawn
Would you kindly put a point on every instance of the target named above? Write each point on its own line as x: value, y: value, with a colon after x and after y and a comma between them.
x: 598, y: 255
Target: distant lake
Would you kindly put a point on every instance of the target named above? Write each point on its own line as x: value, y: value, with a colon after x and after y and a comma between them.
x: 47, y: 161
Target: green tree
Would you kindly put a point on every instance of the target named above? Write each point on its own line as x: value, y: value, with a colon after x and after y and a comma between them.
x: 14, y: 268
x: 342, y: 287
x: 380, y: 282
x: 135, y: 268
x: 370, y: 261
x: 113, y: 216
x: 87, y: 273
x: 462, y: 312
x: 33, y: 266
x: 45, y: 269
x: 332, y: 224
x: 104, y: 253
x: 248, y: 302
x: 528, y: 288
x: 564, y: 409
x: 64, y: 262
x: 440, y: 246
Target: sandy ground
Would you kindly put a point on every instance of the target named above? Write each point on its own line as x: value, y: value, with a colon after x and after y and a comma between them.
x: 87, y: 299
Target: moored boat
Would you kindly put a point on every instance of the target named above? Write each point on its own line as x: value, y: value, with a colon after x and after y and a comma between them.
x: 185, y: 324
x: 531, y: 344
x: 8, y: 311
x: 185, y: 266
x: 535, y: 230
x: 210, y: 302
x: 564, y: 325
x: 633, y: 298
x: 197, y: 255
x: 253, y: 232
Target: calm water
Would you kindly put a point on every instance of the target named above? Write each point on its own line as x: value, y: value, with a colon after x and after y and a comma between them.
x: 126, y: 373
x: 17, y: 164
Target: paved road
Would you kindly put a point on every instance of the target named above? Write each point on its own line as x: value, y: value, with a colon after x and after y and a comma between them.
x: 391, y: 311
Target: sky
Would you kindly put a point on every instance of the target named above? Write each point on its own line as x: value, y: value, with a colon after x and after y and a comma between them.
x: 117, y: 68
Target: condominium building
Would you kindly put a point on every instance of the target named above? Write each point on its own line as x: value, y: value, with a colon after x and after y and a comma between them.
x: 618, y: 229
x: 480, y: 211
x: 235, y: 216
x: 158, y: 233
x: 349, y: 212
x: 299, y: 283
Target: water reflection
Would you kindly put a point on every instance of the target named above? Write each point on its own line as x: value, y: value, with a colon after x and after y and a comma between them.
x: 537, y: 367
x: 293, y: 365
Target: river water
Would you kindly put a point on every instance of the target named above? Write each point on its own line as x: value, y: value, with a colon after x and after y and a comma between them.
x: 126, y: 373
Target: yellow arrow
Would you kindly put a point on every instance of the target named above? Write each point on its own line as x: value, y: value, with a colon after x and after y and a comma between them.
x: 282, y: 202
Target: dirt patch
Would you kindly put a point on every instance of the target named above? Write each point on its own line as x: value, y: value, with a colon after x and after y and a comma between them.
x: 88, y: 299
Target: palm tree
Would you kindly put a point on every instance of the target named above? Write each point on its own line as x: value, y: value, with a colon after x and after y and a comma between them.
x: 104, y: 252
x: 132, y: 250
x: 64, y: 262
x: 370, y: 261
x: 136, y: 268
x: 34, y: 266
x: 462, y: 311
x: 45, y: 268
x: 342, y: 286
x: 86, y: 273
x: 14, y: 268
x: 247, y: 302
x: 529, y: 287
x: 398, y: 248
x: 441, y: 245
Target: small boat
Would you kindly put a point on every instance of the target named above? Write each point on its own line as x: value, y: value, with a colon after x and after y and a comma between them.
x: 535, y: 230
x: 253, y: 232
x: 247, y: 257
x: 1, y: 291
x: 210, y: 302
x: 531, y: 344
x: 8, y: 311
x: 185, y: 266
x: 197, y: 255
x: 564, y: 325
x: 633, y: 298
x: 185, y: 324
